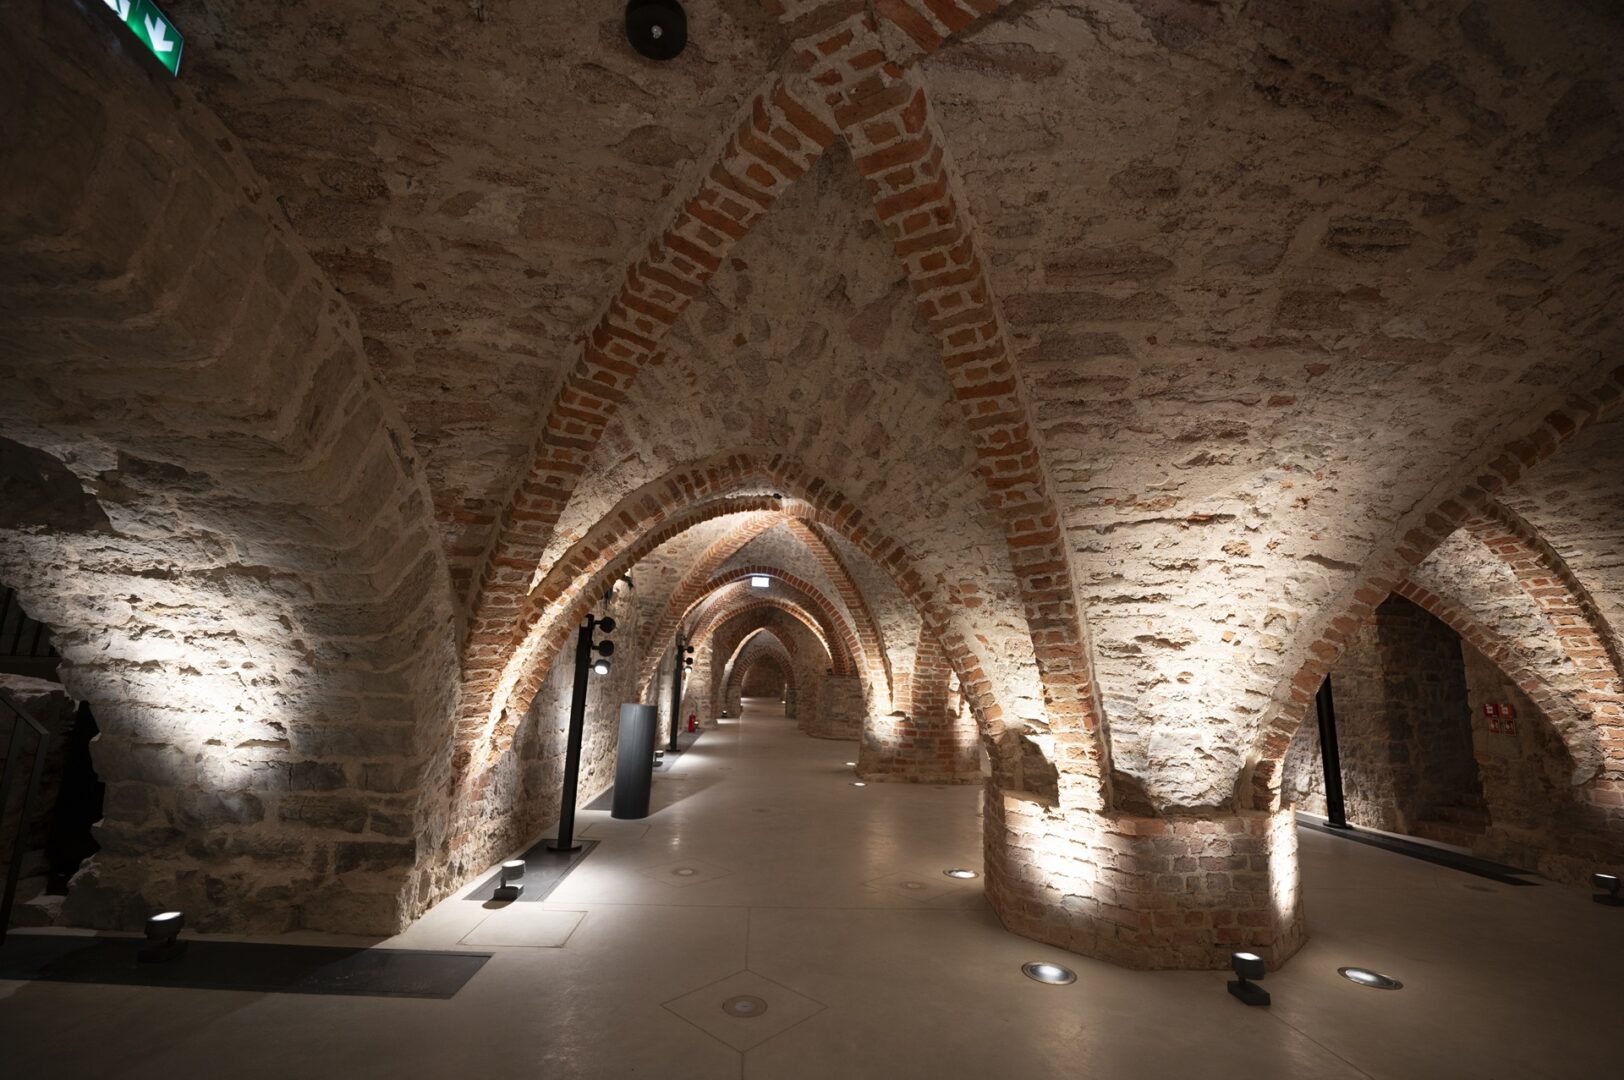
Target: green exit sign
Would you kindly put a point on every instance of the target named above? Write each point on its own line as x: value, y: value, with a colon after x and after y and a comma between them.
x: 150, y: 27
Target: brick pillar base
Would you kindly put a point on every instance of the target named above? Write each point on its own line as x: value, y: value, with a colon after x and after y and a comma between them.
x: 1179, y: 892
x: 919, y: 750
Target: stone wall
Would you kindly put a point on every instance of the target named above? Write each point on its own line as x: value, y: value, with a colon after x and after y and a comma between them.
x: 1541, y: 816
x: 258, y: 610
x: 1403, y: 728
x: 520, y: 793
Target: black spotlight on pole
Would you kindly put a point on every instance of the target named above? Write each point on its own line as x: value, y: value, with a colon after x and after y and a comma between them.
x: 511, y: 886
x: 1249, y: 966
x: 163, y: 938
x: 656, y: 28
x: 1608, y: 883
x: 585, y: 651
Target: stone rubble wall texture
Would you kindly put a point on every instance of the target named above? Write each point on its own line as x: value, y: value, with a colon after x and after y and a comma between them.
x: 1403, y: 728
x: 1118, y: 361
x: 1538, y: 818
x: 764, y: 677
x: 260, y: 614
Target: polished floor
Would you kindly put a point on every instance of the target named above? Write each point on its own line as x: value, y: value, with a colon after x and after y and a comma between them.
x: 818, y: 912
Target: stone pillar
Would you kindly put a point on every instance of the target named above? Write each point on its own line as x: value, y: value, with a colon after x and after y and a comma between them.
x: 1179, y: 892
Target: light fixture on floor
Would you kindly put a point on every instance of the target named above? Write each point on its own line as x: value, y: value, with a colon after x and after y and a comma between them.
x: 961, y: 873
x: 853, y: 764
x: 163, y: 938
x: 1049, y: 974
x: 1249, y: 968
x: 858, y: 783
x: 1373, y: 979
x: 511, y: 886
x: 1608, y: 882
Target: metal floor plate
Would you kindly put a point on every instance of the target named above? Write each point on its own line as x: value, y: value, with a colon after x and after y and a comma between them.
x: 241, y: 965
x: 544, y: 869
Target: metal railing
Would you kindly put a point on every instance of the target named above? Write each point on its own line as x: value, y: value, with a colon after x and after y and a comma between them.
x: 21, y: 726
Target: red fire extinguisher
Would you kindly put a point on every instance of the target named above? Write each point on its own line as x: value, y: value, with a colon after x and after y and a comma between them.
x: 693, y: 723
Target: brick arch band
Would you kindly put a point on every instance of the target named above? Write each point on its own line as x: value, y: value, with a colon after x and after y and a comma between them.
x: 648, y: 517
x: 1259, y: 784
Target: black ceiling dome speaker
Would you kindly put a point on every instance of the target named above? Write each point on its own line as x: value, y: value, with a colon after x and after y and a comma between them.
x: 656, y: 28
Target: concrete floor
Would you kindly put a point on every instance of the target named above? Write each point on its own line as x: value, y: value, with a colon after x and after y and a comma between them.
x: 828, y: 903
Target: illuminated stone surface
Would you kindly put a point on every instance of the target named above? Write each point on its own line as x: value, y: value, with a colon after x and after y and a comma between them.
x: 1085, y: 379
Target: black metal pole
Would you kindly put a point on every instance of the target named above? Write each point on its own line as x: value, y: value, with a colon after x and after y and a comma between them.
x: 1336, y: 814
x: 572, y: 748
x: 676, y: 690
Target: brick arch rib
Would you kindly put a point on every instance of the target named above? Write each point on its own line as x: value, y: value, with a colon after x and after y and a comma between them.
x: 1568, y: 722
x: 1259, y: 784
x: 650, y: 516
x: 855, y: 61
x: 725, y: 613
x: 772, y: 144
x: 1548, y: 580
x: 867, y: 627
x: 688, y: 587
x: 844, y: 648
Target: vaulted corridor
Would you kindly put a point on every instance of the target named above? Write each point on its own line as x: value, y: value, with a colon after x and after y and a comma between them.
x: 1165, y: 457
x: 763, y: 873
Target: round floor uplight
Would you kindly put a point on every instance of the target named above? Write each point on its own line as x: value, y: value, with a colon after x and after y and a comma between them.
x: 744, y: 1006
x: 1373, y: 979
x: 1049, y: 974
x: 858, y: 783
x: 853, y: 764
x: 961, y: 873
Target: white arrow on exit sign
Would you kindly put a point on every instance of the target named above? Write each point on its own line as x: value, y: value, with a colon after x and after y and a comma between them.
x: 152, y: 28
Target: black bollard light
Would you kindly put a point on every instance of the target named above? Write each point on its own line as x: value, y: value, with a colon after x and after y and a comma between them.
x: 1249, y: 967
x: 163, y: 938
x: 585, y: 664
x: 511, y: 886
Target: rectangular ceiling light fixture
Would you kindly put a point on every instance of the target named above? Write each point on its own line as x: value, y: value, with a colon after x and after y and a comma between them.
x: 758, y: 581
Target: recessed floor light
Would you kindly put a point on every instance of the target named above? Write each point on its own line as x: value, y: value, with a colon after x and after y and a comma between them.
x: 1049, y: 974
x: 961, y: 873
x: 853, y: 764
x: 745, y: 1006
x: 684, y: 871
x: 858, y: 783
x: 1373, y: 979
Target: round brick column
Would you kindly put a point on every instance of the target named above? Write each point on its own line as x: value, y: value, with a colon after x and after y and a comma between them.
x: 1179, y: 892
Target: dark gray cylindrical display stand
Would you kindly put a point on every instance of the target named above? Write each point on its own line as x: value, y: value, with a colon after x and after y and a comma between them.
x: 634, y: 764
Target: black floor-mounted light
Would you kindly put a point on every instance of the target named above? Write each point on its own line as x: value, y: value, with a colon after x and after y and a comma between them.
x: 1249, y: 969
x: 658, y: 29
x: 511, y: 886
x: 163, y: 938
x: 1608, y: 883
